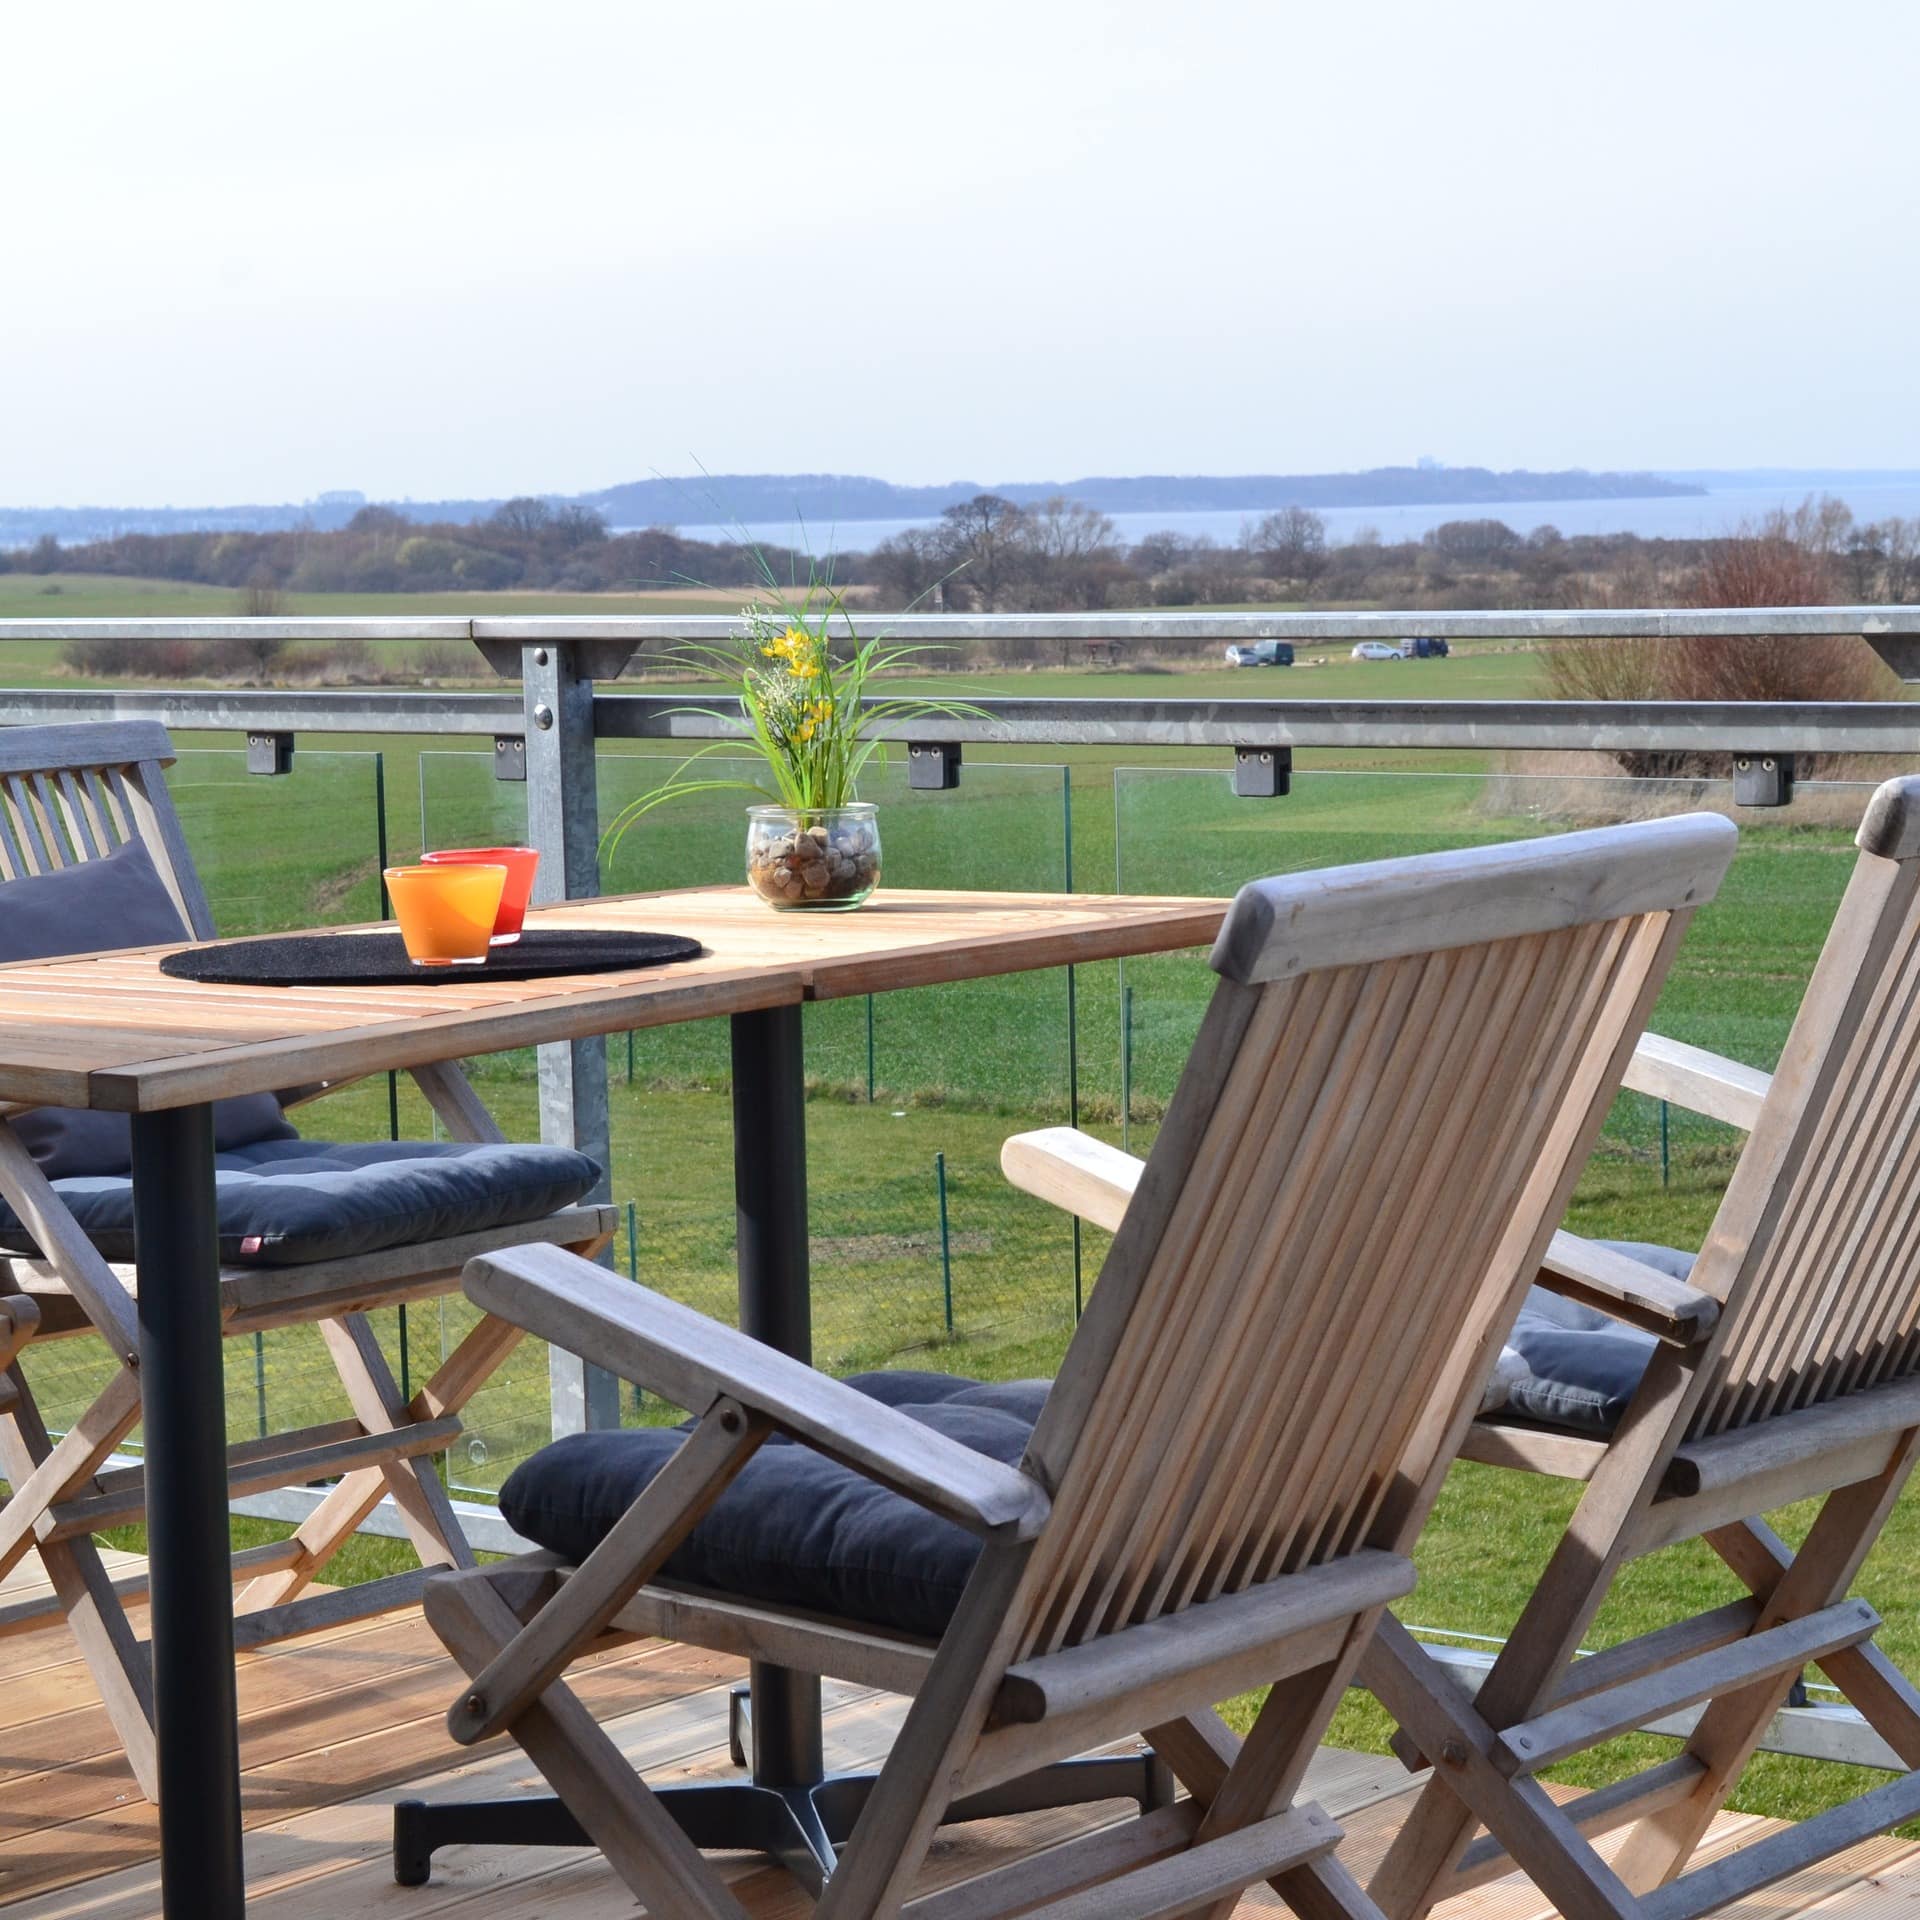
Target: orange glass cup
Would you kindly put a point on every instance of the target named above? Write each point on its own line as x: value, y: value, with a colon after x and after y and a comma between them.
x: 519, y: 862
x: 446, y: 913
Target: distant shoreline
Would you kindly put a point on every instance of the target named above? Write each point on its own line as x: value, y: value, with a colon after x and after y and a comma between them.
x: 846, y: 498
x: 824, y: 509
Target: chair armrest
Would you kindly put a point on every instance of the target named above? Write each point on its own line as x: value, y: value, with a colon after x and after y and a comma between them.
x: 1700, y: 1081
x: 1073, y: 1170
x: 1628, y: 1290
x: 692, y: 1361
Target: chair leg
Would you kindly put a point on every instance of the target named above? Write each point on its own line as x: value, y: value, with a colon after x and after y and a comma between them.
x: 1819, y: 1575
x: 43, y: 1471
x: 338, y: 1517
x: 1547, y: 1846
x: 1412, y: 1875
x: 1572, y: 1586
x: 1272, y: 1763
x: 116, y: 1659
x: 642, y: 1844
x: 897, y: 1825
x: 1883, y: 1696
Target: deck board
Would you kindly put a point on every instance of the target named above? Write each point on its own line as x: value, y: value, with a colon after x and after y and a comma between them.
x: 336, y: 1727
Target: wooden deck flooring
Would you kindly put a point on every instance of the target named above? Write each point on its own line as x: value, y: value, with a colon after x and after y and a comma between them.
x: 335, y: 1728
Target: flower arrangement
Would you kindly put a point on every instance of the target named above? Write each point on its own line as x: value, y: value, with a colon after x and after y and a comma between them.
x: 802, y: 711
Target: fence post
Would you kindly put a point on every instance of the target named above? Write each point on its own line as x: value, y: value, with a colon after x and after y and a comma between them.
x: 1664, y: 1169
x: 1126, y: 1069
x: 946, y: 1239
x: 563, y: 823
x: 1073, y: 1029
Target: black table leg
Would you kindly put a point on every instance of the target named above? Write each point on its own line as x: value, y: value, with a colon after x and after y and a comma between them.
x: 776, y: 1305
x: 183, y: 1395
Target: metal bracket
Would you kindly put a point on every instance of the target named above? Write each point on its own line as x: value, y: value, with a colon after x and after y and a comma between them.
x: 593, y: 659
x: 270, y: 753
x: 1762, y: 779
x: 509, y: 756
x: 1262, y: 773
x: 933, y: 766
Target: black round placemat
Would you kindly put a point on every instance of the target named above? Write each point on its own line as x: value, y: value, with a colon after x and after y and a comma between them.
x: 380, y: 959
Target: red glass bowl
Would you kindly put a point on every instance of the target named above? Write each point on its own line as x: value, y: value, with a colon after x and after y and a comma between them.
x: 519, y: 862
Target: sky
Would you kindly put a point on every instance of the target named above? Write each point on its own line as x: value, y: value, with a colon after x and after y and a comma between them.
x: 433, y: 248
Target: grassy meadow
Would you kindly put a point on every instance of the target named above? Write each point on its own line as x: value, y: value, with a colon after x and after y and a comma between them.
x: 917, y: 1086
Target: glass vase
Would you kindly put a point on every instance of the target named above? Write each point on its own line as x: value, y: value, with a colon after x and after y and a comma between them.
x: 823, y: 858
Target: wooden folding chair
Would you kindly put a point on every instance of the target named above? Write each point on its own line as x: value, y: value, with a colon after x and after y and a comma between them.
x: 1786, y: 1369
x: 72, y: 794
x: 1394, y: 1087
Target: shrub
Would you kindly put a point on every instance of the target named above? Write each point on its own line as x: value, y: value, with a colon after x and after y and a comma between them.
x: 101, y: 659
x: 1785, y: 560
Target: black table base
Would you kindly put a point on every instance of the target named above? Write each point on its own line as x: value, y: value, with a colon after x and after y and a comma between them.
x: 803, y: 1827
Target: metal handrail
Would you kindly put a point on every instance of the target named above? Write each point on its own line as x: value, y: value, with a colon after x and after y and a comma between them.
x: 1867, y: 622
x: 1564, y: 726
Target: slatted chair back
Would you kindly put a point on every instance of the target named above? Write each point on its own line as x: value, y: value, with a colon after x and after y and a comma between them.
x: 75, y: 793
x: 1816, y: 1250
x: 1398, y: 1079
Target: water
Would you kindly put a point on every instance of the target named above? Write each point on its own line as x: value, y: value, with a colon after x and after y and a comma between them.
x: 1685, y: 517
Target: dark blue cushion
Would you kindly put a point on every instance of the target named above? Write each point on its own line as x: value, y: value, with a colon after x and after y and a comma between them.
x: 286, y: 1203
x: 795, y: 1528
x: 1581, y: 1368
x: 101, y: 906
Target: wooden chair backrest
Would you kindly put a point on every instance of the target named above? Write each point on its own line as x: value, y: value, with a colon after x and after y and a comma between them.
x: 74, y: 793
x: 1393, y: 1091
x: 1816, y: 1248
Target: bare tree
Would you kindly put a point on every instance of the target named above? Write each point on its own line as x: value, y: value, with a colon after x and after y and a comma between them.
x: 578, y: 526
x: 1070, y: 554
x: 526, y: 517
x: 379, y: 520
x: 1162, y: 551
x: 910, y: 564
x: 1865, y: 560
x: 1291, y: 543
x: 1900, y: 544
x: 253, y: 655
x: 261, y: 598
x: 980, y: 539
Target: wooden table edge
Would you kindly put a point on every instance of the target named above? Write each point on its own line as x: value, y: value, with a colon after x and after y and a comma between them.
x: 181, y: 1080
x: 1153, y: 924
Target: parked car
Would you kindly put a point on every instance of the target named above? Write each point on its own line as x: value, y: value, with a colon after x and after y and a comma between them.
x: 1375, y: 650
x: 1423, y: 649
x: 1260, y: 653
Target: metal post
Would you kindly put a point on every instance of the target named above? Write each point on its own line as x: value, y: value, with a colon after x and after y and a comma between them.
x: 776, y: 1305
x: 946, y: 1238
x: 563, y: 822
x: 1073, y: 1041
x: 1126, y: 1069
x: 1665, y: 1169
x: 183, y: 1392
x: 386, y: 913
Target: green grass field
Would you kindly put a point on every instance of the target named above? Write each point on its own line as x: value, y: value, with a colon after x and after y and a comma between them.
x: 949, y: 1072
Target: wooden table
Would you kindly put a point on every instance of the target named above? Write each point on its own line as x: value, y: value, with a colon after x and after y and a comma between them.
x: 111, y: 1031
